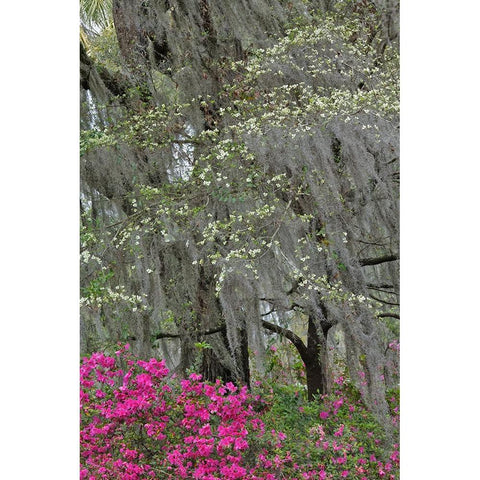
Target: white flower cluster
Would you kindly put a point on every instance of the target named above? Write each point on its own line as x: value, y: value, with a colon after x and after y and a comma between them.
x: 111, y: 296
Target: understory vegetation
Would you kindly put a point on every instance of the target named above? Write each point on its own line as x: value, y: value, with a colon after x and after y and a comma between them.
x: 139, y: 421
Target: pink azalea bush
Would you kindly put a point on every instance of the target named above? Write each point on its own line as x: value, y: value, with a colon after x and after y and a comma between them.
x: 137, y: 423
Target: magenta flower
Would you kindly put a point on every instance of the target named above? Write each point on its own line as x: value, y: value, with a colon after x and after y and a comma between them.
x: 198, y: 430
x: 231, y: 387
x: 240, y: 444
x: 100, y: 394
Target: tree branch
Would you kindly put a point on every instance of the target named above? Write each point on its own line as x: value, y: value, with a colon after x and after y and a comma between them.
x: 295, y: 339
x: 396, y: 304
x: 160, y: 335
x: 389, y: 292
x: 381, y: 285
x: 377, y: 260
x: 389, y: 314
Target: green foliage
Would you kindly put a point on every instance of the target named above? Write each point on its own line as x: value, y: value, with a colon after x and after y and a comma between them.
x: 96, y: 13
x: 393, y: 324
x: 337, y: 419
x: 393, y: 399
x: 202, y: 346
x: 98, y: 284
x: 104, y: 49
x: 291, y: 411
x: 90, y: 139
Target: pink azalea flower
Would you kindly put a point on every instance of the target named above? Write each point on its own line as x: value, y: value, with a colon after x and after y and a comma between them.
x: 231, y: 387
x: 99, y: 394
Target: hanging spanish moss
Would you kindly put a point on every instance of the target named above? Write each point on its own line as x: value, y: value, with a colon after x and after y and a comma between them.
x: 240, y: 177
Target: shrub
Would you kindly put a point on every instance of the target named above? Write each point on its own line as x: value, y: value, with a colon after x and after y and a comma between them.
x: 139, y: 423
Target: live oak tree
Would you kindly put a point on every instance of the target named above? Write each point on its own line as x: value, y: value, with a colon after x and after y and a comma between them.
x: 239, y: 171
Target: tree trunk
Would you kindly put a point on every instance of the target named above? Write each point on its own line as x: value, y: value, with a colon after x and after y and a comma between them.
x: 212, y: 369
x: 316, y: 379
x: 315, y: 361
x: 314, y: 355
x: 243, y: 359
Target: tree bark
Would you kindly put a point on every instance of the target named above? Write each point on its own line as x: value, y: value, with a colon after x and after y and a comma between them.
x: 377, y: 260
x: 212, y: 369
x: 316, y: 364
x: 243, y: 360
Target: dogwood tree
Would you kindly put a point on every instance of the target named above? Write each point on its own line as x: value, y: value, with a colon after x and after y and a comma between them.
x: 239, y: 170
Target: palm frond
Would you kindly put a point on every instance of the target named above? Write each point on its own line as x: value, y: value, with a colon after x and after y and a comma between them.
x: 95, y: 14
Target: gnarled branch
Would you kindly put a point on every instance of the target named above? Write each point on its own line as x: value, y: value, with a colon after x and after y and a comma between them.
x: 396, y: 304
x: 295, y: 339
x: 160, y: 335
x: 377, y: 260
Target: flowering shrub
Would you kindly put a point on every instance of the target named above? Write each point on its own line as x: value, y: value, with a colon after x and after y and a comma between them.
x: 339, y: 437
x: 138, y: 424
x: 135, y: 424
